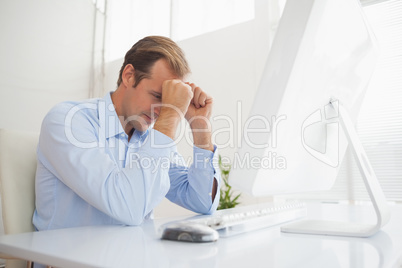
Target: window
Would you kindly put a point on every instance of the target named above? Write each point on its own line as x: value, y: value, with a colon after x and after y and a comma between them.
x: 380, y: 121
x: 193, y: 17
x: 130, y: 20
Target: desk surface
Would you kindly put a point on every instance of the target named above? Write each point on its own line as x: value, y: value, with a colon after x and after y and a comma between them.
x: 117, y: 246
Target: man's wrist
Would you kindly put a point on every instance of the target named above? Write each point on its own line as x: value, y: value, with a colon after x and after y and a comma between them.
x: 201, y: 129
x: 200, y: 123
x: 209, y: 147
x: 167, y: 122
x: 203, y: 140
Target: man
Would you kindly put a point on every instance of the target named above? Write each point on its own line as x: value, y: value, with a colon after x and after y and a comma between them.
x: 101, y: 162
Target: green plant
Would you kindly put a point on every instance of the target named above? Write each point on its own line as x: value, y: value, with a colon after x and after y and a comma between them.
x: 226, y: 200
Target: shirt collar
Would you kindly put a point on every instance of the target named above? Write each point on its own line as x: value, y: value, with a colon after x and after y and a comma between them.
x: 109, y: 120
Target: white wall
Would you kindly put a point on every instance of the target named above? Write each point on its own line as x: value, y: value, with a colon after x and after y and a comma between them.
x: 46, y: 56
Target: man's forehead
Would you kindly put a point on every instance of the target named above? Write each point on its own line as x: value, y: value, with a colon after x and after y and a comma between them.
x: 161, y: 69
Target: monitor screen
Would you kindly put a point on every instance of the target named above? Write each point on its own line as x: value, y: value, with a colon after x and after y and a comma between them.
x: 323, y: 54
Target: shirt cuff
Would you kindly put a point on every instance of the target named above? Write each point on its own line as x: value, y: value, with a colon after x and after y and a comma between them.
x: 205, y: 158
x: 205, y: 167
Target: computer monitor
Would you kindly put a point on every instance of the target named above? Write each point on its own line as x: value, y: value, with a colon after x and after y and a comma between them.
x: 308, y: 100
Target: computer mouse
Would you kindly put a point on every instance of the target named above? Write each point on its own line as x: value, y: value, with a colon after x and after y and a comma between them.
x: 189, y: 232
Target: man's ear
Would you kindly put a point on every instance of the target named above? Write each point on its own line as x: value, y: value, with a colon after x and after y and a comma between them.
x: 128, y: 75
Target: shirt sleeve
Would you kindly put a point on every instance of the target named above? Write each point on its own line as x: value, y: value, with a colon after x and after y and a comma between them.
x: 75, y: 153
x: 191, y: 187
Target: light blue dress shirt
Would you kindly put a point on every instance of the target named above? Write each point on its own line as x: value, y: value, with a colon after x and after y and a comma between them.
x: 88, y: 173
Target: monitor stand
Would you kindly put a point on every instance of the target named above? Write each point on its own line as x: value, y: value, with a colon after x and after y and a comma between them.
x: 322, y: 227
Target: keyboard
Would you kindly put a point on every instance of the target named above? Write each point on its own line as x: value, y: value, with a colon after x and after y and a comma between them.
x: 243, y: 219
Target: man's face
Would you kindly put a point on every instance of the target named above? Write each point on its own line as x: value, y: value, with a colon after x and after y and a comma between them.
x: 141, y: 105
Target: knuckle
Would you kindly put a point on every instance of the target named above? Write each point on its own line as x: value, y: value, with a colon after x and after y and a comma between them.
x: 176, y: 81
x: 166, y: 83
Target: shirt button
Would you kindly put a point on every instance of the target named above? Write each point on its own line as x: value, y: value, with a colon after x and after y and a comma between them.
x: 111, y: 107
x: 206, y: 160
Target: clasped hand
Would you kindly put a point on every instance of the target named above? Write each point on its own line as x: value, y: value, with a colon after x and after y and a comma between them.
x: 186, y: 99
x: 183, y: 99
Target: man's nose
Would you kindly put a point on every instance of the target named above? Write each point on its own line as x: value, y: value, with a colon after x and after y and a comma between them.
x: 156, y: 109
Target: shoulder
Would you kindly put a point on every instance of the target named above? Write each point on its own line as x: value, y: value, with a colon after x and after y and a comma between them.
x: 73, y: 110
x: 72, y: 122
x: 66, y: 107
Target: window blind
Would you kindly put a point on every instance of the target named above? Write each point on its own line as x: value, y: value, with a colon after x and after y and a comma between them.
x: 380, y: 121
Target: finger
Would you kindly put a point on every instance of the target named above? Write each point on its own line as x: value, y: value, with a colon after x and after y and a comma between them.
x: 202, y: 99
x: 209, y: 100
x: 189, y: 87
x: 197, y: 93
x: 169, y: 84
x: 192, y: 85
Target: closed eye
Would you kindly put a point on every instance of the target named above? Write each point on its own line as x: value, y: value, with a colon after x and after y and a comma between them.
x: 157, y: 96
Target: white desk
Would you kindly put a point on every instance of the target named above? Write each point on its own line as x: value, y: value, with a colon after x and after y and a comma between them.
x: 114, y: 246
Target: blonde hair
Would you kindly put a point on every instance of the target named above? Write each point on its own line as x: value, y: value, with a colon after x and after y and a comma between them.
x: 147, y: 51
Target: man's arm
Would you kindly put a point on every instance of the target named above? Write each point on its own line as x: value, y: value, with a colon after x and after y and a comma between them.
x: 81, y: 163
x: 195, y: 188
x: 198, y: 115
x: 190, y: 187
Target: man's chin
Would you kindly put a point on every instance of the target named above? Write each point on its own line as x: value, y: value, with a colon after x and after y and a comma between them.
x: 142, y: 127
